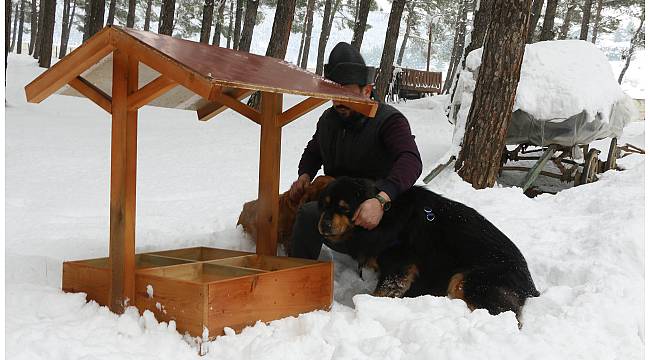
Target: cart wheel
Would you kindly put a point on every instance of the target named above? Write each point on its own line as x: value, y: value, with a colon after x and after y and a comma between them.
x: 591, y: 166
x: 612, y: 155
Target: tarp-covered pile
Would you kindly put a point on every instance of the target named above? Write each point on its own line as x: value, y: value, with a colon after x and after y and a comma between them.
x: 567, y: 95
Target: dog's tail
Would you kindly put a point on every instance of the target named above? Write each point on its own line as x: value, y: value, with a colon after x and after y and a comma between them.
x: 496, y: 288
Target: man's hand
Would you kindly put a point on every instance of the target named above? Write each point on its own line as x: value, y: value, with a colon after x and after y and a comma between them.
x: 369, y: 213
x: 298, y: 187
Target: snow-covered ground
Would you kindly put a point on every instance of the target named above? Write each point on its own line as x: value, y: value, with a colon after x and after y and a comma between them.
x: 584, y: 246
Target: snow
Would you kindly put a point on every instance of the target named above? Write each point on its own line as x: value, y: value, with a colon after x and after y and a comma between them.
x: 584, y: 246
x: 562, y: 78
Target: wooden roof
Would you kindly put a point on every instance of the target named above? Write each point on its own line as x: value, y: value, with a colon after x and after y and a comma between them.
x: 206, y: 70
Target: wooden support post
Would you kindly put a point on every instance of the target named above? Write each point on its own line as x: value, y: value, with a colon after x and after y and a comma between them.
x: 123, y: 175
x: 269, y: 182
x: 537, y: 168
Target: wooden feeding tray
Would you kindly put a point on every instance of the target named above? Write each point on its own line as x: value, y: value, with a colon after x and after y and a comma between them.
x: 121, y: 70
x: 212, y: 288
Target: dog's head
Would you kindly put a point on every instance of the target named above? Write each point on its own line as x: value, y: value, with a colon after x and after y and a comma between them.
x: 338, y: 203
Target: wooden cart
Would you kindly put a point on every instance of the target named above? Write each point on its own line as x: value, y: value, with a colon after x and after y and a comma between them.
x: 197, y: 287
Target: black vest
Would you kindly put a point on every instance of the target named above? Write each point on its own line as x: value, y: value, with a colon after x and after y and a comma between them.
x: 352, y: 147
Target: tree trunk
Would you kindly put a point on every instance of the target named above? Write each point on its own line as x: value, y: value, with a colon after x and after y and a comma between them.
x: 65, y: 39
x: 166, y: 25
x: 15, y: 28
x: 230, y: 24
x: 21, y: 27
x: 308, y: 32
x: 536, y: 12
x: 429, y: 44
x: 390, y: 43
x: 479, y: 159
x: 482, y: 19
x: 206, y: 22
x: 147, y: 15
x: 130, y: 16
x: 302, y: 40
x: 49, y: 17
x: 549, y: 21
x: 96, y: 21
x: 110, y: 19
x: 459, y: 44
x: 216, y: 39
x: 7, y: 39
x: 249, y: 25
x: 64, y: 28
x: 594, y: 33
x: 361, y: 22
x: 324, y: 36
x: 633, y: 44
x: 586, y: 15
x: 564, y: 30
x: 33, y: 27
x: 281, y: 29
x: 237, y: 29
x: 407, y: 33
x: 39, y: 33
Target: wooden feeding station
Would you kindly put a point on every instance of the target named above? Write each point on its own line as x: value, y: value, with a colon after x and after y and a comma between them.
x: 121, y: 70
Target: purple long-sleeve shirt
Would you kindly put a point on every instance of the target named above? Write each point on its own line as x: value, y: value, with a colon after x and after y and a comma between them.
x: 395, y: 135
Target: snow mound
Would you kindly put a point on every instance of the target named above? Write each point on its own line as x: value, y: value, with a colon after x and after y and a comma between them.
x: 562, y: 78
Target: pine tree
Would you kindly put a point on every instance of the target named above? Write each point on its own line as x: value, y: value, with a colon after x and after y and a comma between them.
x: 329, y: 12
x: 568, y: 15
x: 360, y: 24
x: 230, y: 25
x: 536, y: 12
x: 166, y: 24
x: 95, y: 17
x: 15, y: 29
x: 47, y: 38
x: 206, y: 22
x: 309, y: 25
x: 638, y: 39
x: 237, y: 29
x: 249, y: 24
x: 216, y: 40
x: 130, y: 17
x: 549, y: 21
x: 390, y: 44
x: 410, y: 22
x: 594, y: 32
x: 110, y: 20
x: 489, y: 117
x: 21, y: 27
x: 459, y: 44
x: 147, y: 15
x: 33, y: 27
x: 586, y: 15
x: 39, y: 34
x: 66, y: 27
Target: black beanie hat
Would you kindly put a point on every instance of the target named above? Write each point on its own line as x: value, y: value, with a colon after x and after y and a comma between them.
x: 346, y: 66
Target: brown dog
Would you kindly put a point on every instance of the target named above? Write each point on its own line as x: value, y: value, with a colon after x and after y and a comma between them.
x: 288, y: 211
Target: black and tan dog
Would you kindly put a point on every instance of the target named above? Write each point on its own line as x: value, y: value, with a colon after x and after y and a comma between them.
x: 427, y: 244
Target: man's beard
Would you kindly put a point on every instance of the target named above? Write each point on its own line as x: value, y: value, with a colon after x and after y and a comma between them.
x: 343, y: 111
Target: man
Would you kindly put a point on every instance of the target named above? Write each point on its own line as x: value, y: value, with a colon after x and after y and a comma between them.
x: 347, y: 143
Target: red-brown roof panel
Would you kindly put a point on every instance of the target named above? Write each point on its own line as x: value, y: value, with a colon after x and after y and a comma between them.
x: 230, y: 68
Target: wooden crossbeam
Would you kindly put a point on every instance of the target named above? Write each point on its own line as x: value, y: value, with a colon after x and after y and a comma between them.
x: 369, y: 110
x: 149, y: 92
x: 68, y: 68
x: 160, y: 62
x: 92, y: 92
x: 299, y: 110
x: 217, y: 96
x: 213, y: 109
